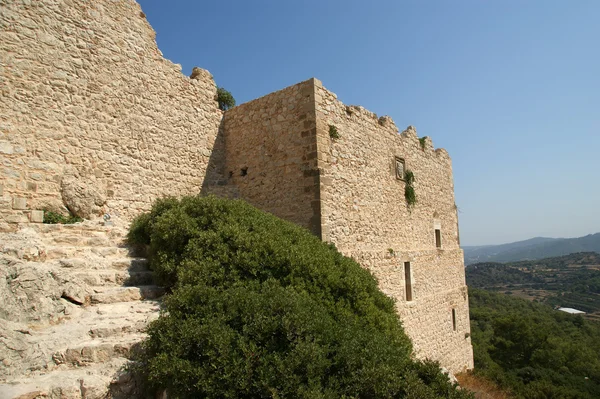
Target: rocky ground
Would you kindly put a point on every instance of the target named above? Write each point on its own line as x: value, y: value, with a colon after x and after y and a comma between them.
x: 74, y: 304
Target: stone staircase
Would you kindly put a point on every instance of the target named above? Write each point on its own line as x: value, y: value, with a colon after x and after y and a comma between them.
x: 102, y: 299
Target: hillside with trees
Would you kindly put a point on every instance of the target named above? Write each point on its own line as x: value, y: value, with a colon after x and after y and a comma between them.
x: 567, y: 281
x: 532, y: 350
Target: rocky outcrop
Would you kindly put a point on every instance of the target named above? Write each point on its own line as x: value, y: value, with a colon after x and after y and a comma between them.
x: 74, y: 305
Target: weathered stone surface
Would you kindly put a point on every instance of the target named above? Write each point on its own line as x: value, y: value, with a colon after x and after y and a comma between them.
x: 37, y: 216
x: 270, y: 153
x: 84, y: 197
x: 47, y: 324
x: 36, y: 292
x: 19, y: 203
x: 109, y: 106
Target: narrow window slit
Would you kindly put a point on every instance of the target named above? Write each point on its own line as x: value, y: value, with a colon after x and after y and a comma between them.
x: 408, y: 282
x: 454, y: 319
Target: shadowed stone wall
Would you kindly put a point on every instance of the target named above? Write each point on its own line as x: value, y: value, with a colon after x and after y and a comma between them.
x: 271, y: 154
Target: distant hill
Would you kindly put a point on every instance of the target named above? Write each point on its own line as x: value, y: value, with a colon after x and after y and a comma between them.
x: 534, y: 248
x: 569, y: 281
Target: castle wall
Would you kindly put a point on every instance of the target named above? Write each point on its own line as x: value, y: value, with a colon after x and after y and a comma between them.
x: 271, y: 154
x: 365, y: 214
x: 89, y: 101
x: 91, y: 110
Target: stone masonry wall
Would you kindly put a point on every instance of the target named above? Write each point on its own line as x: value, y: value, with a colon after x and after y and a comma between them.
x: 365, y: 213
x: 271, y: 154
x: 90, y: 108
x: 91, y: 111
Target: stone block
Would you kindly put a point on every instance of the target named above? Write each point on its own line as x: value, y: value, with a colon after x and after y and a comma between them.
x: 6, y: 148
x: 16, y: 218
x: 36, y: 217
x: 5, y: 203
x: 19, y: 203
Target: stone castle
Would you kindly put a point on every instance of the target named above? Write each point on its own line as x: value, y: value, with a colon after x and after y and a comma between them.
x: 93, y: 118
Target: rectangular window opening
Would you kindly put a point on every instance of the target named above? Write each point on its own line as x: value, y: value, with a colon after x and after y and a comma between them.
x: 408, y: 282
x: 454, y: 319
x: 438, y: 238
x: 400, y: 168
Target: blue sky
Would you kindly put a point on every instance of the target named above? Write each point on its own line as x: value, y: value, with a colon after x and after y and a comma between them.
x: 510, y: 88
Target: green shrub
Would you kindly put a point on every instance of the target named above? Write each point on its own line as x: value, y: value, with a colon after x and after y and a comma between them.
x: 225, y: 99
x: 409, y: 190
x: 261, y: 308
x: 57, y: 218
x: 333, y: 132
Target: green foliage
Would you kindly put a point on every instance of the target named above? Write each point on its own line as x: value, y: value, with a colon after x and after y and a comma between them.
x: 409, y: 190
x: 409, y: 177
x: 261, y: 308
x: 422, y: 142
x: 533, y: 350
x: 333, y: 132
x: 57, y: 218
x: 225, y: 99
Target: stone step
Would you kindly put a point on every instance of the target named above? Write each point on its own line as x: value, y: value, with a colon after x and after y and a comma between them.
x: 130, y: 263
x: 85, y: 227
x: 116, y: 277
x: 126, y: 294
x: 62, y: 252
x: 81, y: 240
x: 98, y: 350
x: 91, y: 382
x: 112, y: 264
x: 36, y: 344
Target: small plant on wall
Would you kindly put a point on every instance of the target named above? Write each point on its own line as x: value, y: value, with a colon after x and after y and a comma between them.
x: 225, y: 99
x: 409, y: 190
x: 422, y: 142
x: 333, y: 132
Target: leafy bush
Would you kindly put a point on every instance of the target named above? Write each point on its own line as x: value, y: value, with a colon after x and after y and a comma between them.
x: 225, y: 99
x: 261, y: 308
x: 57, y: 218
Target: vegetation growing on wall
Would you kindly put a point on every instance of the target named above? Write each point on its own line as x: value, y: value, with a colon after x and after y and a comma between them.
x: 533, y: 350
x: 422, y: 141
x: 57, y: 218
x: 261, y: 308
x: 333, y: 132
x: 225, y: 99
x: 409, y: 190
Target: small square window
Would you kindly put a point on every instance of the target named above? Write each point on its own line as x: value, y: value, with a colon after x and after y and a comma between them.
x: 400, y: 168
